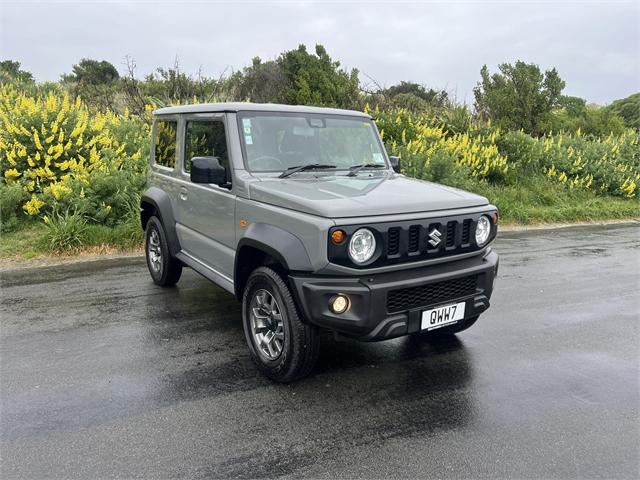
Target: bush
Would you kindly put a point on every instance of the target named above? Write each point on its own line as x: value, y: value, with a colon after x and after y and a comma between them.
x: 11, y: 199
x: 430, y: 150
x: 419, y: 139
x: 61, y: 156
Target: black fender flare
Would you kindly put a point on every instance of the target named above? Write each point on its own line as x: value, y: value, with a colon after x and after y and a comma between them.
x: 283, y: 246
x: 161, y: 204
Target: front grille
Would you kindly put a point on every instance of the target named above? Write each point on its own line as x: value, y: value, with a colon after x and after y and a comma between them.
x: 414, y: 240
x: 428, y: 240
x: 431, y: 293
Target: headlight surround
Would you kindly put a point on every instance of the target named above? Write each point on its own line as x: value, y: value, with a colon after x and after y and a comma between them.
x: 362, y: 246
x: 483, y: 230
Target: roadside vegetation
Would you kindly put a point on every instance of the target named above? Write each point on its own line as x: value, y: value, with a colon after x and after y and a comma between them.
x: 74, y: 153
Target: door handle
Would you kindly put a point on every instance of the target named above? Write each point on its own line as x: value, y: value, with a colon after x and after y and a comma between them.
x: 183, y: 193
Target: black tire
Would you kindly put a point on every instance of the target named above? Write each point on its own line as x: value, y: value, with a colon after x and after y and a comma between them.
x: 300, y: 343
x: 166, y: 270
x: 448, y: 331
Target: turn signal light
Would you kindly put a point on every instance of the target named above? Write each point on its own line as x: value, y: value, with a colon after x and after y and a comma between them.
x: 494, y: 218
x: 338, y: 237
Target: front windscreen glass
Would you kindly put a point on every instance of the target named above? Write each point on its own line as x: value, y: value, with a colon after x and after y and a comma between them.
x: 277, y: 142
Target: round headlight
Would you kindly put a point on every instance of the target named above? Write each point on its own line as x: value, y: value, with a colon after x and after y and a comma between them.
x: 362, y: 246
x: 483, y: 230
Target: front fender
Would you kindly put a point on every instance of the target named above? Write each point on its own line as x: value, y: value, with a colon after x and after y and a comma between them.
x: 280, y: 244
x: 283, y: 246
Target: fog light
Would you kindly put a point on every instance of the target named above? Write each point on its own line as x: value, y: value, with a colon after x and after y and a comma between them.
x: 339, y: 304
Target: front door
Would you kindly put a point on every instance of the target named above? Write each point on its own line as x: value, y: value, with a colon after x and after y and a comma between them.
x: 205, y: 220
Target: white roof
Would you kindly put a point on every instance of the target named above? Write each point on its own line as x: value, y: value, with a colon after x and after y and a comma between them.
x: 254, y: 107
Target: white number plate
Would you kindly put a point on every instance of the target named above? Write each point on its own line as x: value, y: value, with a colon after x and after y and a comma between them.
x: 442, y: 316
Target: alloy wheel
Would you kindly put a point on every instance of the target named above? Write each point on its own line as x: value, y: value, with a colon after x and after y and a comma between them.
x: 266, y: 324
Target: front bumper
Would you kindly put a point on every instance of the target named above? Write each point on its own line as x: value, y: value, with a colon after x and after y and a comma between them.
x: 390, y: 305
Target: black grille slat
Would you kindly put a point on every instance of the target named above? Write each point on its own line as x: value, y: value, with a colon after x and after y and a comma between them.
x: 431, y: 293
x: 466, y: 231
x: 393, y: 241
x: 414, y: 238
x: 451, y: 234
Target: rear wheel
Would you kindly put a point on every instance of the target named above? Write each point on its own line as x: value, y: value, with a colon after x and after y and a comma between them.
x: 282, y: 346
x: 164, y: 269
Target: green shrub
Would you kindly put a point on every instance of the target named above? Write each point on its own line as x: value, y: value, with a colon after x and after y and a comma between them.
x: 11, y: 200
x: 66, y: 232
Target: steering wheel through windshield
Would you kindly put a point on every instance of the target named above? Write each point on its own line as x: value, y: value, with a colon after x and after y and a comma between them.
x: 267, y: 162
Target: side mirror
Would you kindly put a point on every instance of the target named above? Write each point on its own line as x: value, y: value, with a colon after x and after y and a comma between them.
x: 395, y: 164
x: 208, y: 170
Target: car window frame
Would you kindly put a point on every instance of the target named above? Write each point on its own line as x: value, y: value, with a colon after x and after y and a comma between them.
x: 154, y: 141
x: 243, y: 113
x: 206, y: 117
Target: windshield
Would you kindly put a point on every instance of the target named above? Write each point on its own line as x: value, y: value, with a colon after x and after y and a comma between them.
x: 278, y: 141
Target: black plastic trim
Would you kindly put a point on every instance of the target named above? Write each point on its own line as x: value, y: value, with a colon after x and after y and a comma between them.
x: 160, y: 202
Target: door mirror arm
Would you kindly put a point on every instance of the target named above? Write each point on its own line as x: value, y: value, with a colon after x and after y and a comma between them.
x: 395, y: 163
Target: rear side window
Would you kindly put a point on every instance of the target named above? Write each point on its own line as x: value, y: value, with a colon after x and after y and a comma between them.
x: 166, y: 137
x: 205, y: 139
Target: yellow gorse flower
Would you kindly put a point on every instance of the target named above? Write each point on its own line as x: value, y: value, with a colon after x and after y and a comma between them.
x: 51, y: 145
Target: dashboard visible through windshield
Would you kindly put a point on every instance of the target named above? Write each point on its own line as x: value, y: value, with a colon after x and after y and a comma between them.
x: 280, y: 141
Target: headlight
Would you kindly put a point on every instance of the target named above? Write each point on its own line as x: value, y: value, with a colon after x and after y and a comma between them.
x: 362, y: 246
x: 483, y: 230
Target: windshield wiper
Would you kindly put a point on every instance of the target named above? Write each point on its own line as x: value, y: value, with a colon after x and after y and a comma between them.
x: 353, y: 171
x: 302, y: 168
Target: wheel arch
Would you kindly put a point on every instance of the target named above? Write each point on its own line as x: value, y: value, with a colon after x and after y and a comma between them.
x: 155, y: 201
x: 265, y: 244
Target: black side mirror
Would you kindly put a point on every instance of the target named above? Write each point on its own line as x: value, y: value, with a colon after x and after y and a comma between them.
x: 395, y: 164
x: 208, y: 170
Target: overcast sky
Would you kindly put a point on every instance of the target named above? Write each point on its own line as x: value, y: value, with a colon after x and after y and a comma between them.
x: 594, y: 45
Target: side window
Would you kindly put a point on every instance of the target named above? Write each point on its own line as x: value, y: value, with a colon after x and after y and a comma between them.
x: 166, y: 138
x: 205, y: 139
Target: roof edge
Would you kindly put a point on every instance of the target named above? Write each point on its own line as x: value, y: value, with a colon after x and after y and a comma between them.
x: 234, y: 107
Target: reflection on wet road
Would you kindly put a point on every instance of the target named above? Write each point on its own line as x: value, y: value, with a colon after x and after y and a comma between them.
x: 103, y: 374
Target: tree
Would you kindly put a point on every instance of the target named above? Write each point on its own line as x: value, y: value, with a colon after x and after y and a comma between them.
x: 520, y: 96
x: 10, y: 72
x: 317, y: 79
x: 629, y: 109
x: 96, y: 82
x: 589, y: 119
x: 92, y: 72
x: 435, y: 98
x: 263, y: 82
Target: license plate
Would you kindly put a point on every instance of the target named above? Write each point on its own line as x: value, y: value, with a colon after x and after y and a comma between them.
x: 442, y: 316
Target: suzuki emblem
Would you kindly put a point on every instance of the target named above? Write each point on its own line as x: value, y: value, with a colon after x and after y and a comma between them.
x: 435, y: 235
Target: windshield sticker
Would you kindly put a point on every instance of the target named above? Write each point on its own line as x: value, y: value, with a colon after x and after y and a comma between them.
x: 246, y: 122
x: 248, y: 139
x: 378, y: 158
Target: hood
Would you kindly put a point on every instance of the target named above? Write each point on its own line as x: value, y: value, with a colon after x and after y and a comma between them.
x: 339, y: 196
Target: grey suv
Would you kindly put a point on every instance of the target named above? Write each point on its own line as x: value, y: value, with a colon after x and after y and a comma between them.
x: 300, y: 213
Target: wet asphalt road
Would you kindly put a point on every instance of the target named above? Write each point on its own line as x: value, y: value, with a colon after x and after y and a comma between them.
x: 104, y: 375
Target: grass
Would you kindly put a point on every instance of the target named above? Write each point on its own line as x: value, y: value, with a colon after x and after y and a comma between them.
x: 536, y: 202
x: 34, y: 239
x: 533, y: 201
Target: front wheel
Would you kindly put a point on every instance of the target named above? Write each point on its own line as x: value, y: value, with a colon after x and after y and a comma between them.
x: 282, y: 346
